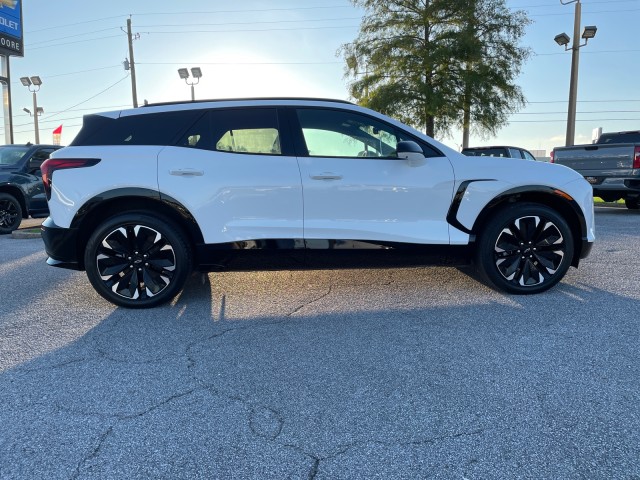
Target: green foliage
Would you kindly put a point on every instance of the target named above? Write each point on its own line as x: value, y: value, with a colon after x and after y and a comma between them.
x: 426, y: 62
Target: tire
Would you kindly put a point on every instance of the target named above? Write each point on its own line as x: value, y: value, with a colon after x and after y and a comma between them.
x: 10, y: 213
x: 135, y: 260
x: 524, y: 248
x: 632, y: 203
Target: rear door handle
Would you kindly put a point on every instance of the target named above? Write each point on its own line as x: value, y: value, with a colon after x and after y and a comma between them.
x: 326, y: 176
x: 187, y: 172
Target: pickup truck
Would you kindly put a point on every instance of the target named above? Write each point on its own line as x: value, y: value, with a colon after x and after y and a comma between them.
x: 611, y: 166
x: 21, y: 189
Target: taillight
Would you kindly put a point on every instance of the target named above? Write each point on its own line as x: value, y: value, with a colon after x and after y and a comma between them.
x: 552, y: 160
x: 636, y: 158
x: 52, y: 164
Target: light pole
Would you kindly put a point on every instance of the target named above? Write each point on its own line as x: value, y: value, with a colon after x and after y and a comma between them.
x: 196, y: 73
x: 34, y: 82
x: 563, y: 40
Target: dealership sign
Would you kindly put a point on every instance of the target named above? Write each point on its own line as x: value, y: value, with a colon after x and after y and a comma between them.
x: 11, y: 28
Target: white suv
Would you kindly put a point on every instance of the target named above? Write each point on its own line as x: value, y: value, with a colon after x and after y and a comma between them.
x: 142, y: 197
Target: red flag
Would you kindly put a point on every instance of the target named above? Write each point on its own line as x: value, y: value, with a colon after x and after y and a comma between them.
x: 58, y: 131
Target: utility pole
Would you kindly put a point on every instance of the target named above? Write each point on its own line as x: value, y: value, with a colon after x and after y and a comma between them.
x: 132, y: 65
x: 563, y: 40
x: 35, y: 117
x: 573, y: 87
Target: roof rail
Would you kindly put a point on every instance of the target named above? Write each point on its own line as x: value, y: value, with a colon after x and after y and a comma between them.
x: 189, y: 102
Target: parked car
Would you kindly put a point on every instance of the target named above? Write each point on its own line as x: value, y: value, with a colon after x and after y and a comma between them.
x: 21, y: 190
x: 143, y: 196
x: 611, y: 166
x: 498, y: 151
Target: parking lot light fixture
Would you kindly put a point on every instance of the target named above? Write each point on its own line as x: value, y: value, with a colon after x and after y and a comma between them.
x: 589, y: 32
x: 562, y: 39
x: 33, y: 84
x: 196, y: 72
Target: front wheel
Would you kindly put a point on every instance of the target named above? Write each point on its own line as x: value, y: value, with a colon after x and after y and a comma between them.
x: 10, y: 213
x: 137, y: 261
x: 525, y: 248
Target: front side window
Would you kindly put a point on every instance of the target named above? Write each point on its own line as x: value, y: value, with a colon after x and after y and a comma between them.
x: 334, y: 133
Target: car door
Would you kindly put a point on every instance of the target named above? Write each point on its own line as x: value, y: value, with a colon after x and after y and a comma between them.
x: 234, y: 174
x: 356, y: 188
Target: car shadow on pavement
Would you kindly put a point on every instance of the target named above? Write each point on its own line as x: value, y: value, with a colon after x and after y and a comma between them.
x: 321, y: 385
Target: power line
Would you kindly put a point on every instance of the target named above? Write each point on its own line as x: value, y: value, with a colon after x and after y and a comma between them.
x: 190, y: 13
x: 578, y: 120
x: 92, y: 97
x: 585, y: 101
x: 580, y: 113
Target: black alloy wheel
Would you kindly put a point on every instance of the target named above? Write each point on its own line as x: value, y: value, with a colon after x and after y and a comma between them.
x: 526, y: 248
x: 137, y: 261
x: 10, y: 213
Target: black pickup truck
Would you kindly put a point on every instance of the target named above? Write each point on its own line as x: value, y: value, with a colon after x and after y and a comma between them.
x: 21, y: 190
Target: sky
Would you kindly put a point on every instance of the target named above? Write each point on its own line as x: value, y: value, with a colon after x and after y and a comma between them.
x: 252, y: 48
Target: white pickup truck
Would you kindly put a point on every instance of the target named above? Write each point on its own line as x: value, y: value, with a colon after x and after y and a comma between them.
x: 611, y: 166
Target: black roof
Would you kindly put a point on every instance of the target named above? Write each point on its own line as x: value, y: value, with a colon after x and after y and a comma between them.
x: 244, y: 99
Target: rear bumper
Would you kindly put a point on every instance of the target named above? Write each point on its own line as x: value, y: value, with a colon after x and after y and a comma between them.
x: 61, y: 244
x: 621, y: 185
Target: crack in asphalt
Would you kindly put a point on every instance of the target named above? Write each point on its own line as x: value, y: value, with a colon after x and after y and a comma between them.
x: 93, y: 454
x: 310, y: 302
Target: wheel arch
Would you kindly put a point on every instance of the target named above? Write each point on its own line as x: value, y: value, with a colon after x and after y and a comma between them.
x: 108, y: 204
x: 19, y: 195
x: 553, y: 198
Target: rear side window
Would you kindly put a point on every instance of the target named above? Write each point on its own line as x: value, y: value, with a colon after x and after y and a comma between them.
x: 246, y: 130
x: 145, y: 129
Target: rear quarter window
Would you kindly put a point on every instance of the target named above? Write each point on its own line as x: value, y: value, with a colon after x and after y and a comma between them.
x: 145, y: 129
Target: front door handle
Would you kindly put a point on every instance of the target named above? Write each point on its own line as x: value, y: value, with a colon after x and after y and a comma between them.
x: 187, y: 172
x: 326, y: 176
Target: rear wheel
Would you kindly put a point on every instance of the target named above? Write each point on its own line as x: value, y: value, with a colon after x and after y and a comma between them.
x: 525, y: 248
x: 10, y: 213
x: 137, y: 261
x: 632, y: 203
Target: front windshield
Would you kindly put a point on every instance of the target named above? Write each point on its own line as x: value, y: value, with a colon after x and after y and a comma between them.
x: 11, y: 155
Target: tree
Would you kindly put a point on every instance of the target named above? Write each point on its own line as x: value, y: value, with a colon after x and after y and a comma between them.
x: 426, y: 62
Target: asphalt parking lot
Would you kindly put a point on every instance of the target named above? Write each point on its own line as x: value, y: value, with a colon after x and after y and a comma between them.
x: 410, y: 373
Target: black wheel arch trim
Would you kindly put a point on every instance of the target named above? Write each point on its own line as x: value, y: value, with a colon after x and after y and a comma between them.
x: 452, y: 214
x: 513, y: 193
x: 143, y: 193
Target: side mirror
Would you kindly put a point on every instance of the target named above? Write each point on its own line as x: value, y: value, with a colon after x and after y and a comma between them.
x: 411, y: 152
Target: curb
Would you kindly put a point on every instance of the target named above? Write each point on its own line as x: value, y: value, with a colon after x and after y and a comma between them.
x: 22, y: 234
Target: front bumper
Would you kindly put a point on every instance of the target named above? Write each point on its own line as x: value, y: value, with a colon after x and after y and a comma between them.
x: 61, y: 244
